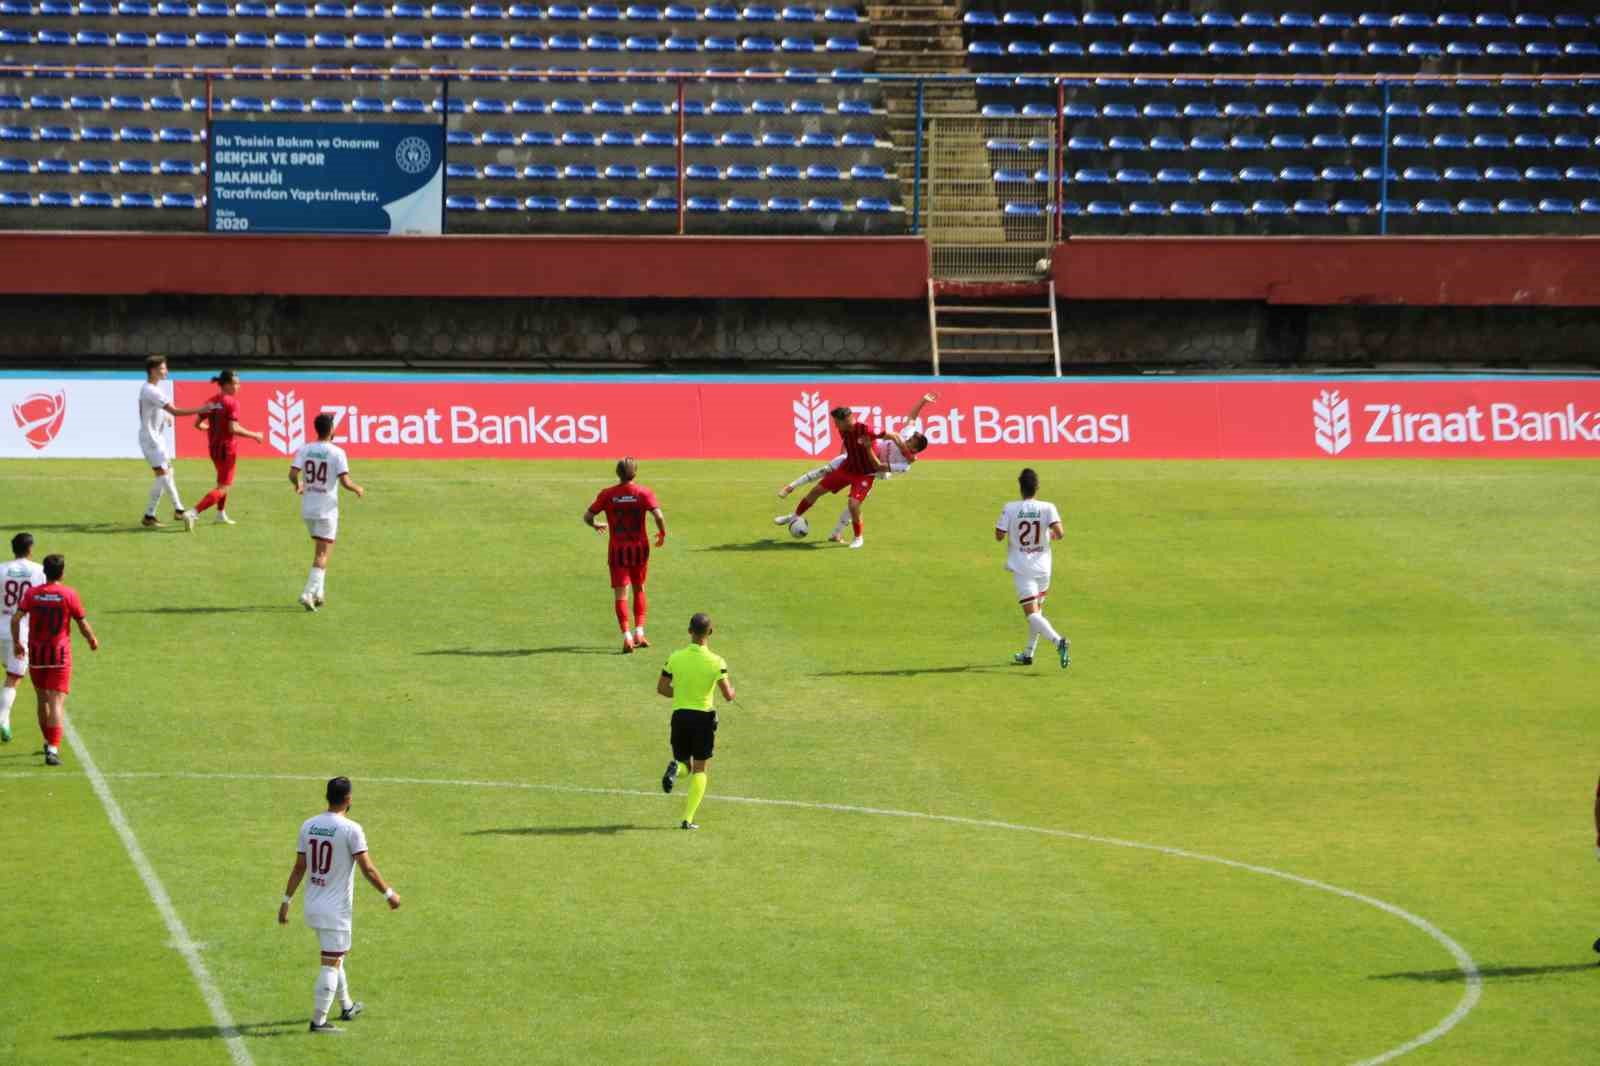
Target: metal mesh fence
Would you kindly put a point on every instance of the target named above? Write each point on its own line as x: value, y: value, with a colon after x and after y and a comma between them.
x: 991, y: 202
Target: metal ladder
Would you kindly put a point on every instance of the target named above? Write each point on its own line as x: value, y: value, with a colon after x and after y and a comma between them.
x: 992, y: 328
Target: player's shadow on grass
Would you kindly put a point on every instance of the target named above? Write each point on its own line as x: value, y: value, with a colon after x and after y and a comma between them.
x: 565, y: 830
x: 768, y: 545
x: 272, y: 608
x: 517, y: 653
x: 194, y: 1032
x: 94, y: 527
x: 913, y: 671
x: 1491, y: 973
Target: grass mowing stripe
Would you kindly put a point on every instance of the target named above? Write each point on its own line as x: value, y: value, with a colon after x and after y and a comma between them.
x: 1464, y: 961
x: 158, y: 895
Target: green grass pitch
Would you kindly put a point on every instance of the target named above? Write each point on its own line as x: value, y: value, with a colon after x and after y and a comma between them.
x: 1378, y: 676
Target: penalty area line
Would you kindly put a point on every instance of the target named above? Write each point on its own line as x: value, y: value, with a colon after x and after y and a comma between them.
x: 158, y: 895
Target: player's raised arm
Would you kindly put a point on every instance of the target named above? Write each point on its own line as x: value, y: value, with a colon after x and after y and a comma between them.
x: 370, y: 872
x: 916, y: 409
x: 295, y: 875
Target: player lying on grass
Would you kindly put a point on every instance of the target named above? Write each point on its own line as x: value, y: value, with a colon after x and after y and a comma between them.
x: 866, y: 457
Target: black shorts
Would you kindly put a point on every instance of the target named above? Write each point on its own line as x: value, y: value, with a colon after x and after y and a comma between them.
x: 694, y: 734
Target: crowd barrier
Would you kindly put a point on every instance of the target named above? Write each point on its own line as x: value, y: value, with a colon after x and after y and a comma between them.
x: 458, y: 417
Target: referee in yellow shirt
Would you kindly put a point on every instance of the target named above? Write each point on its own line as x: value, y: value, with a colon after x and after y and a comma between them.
x: 688, y: 678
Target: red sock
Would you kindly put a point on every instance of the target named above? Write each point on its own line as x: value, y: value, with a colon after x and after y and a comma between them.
x: 622, y: 613
x: 222, y: 502
x: 52, y: 736
x: 855, y: 524
x: 640, y: 605
x: 207, y: 500
x: 805, y: 505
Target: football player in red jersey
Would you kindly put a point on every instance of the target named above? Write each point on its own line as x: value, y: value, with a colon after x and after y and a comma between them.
x: 51, y: 609
x: 861, y: 464
x: 625, y: 504
x: 220, y: 420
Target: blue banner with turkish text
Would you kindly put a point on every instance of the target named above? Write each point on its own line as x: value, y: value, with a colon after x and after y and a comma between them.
x: 326, y: 177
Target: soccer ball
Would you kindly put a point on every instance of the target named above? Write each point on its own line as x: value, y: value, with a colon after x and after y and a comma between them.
x: 799, y: 528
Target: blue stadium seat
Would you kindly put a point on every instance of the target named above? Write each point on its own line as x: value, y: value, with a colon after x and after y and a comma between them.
x: 1352, y: 207
x: 1557, y: 206
x: 541, y: 172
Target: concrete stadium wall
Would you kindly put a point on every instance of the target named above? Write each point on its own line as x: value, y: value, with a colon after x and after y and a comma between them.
x: 765, y: 334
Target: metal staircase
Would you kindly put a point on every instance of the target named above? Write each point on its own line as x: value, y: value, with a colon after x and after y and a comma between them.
x: 1005, y: 323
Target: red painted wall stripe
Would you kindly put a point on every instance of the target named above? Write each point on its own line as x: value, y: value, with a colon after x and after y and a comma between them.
x: 1315, y: 271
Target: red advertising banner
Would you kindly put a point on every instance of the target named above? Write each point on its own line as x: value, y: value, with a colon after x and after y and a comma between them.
x: 1192, y: 418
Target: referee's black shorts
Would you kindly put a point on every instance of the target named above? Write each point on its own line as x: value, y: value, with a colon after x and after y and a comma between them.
x: 694, y: 734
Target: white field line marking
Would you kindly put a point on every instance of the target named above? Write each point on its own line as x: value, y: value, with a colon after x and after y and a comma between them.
x: 1464, y: 961
x: 158, y: 894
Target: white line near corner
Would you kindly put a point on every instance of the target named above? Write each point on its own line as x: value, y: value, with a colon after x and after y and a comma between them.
x: 158, y: 895
x: 1464, y: 961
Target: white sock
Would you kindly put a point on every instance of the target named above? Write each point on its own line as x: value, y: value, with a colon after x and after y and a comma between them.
x: 1033, y: 641
x: 157, y: 487
x: 344, y: 986
x: 322, y: 998
x: 1042, y: 627
x: 311, y: 583
x: 8, y: 696
x: 319, y: 580
x: 172, y: 489
x: 638, y: 633
x: 844, y: 520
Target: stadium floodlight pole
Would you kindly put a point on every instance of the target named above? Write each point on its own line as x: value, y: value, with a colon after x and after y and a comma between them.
x: 683, y: 186
x: 211, y: 154
x: 1060, y: 160
x: 1383, y: 167
x: 916, y: 166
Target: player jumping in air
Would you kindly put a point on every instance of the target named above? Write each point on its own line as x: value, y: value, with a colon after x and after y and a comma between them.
x: 330, y: 848
x: 898, y: 448
x: 625, y: 504
x: 857, y: 470
x: 319, y: 468
x: 155, y: 415
x: 220, y: 419
x: 16, y: 578
x: 1028, y: 526
x: 49, y: 611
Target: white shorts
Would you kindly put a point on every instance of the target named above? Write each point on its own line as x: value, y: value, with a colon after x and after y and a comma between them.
x: 1030, y: 586
x: 335, y: 941
x: 324, y: 528
x: 15, y: 665
x: 155, y: 455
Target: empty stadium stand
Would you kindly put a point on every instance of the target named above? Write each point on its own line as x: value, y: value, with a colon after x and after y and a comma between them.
x: 1504, y: 141
x: 558, y: 118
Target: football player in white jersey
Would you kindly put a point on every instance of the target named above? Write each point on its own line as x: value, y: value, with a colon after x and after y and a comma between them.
x: 330, y: 848
x: 318, y: 470
x: 155, y: 416
x: 899, y: 449
x: 1028, y: 526
x: 16, y: 578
